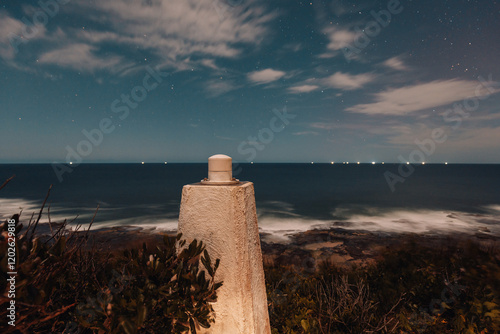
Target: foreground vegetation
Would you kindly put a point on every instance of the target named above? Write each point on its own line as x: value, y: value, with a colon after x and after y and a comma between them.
x: 64, y: 287
x: 67, y: 288
x: 413, y: 288
x: 65, y: 284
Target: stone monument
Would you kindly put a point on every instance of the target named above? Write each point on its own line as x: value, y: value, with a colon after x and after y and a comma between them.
x: 221, y: 212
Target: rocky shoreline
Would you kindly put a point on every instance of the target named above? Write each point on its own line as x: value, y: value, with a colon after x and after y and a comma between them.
x: 347, y: 248
x: 344, y: 248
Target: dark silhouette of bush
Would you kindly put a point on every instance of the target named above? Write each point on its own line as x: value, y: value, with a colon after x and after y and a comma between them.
x: 64, y: 285
x: 448, y: 287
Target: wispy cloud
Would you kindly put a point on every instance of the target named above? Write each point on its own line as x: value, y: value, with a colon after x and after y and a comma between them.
x: 483, y: 138
x: 395, y: 63
x: 487, y: 117
x: 295, y: 47
x: 210, y: 63
x: 265, y: 76
x: 305, y: 133
x: 340, y: 37
x: 8, y: 26
x: 177, y: 29
x: 302, y: 89
x: 80, y: 57
x: 402, y: 101
x: 346, y: 81
x: 176, y: 33
x: 338, y: 80
x: 217, y: 87
x: 467, y: 138
x: 11, y: 35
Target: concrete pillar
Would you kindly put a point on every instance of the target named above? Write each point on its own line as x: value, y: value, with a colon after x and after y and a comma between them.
x: 220, y: 211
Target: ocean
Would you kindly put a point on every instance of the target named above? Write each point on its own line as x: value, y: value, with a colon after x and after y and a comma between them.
x: 435, y: 198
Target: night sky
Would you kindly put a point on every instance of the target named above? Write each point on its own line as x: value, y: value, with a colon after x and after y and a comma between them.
x: 263, y: 81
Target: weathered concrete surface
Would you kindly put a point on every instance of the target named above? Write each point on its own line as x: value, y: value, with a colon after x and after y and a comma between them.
x: 224, y: 217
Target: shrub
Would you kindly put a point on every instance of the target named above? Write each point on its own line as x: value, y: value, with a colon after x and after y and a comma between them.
x: 62, y: 286
x: 449, y: 287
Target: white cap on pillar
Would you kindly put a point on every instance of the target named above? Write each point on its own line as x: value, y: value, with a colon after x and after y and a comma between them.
x: 220, y: 170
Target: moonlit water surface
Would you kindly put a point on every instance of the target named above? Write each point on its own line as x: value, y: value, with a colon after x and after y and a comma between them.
x: 290, y: 197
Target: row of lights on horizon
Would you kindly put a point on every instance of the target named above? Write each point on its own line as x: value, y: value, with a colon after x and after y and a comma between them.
x: 312, y: 163
x: 373, y: 163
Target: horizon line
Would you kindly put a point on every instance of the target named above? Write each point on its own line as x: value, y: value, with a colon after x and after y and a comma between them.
x: 257, y: 162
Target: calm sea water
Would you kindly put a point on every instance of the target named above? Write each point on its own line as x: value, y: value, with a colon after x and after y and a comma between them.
x: 290, y: 197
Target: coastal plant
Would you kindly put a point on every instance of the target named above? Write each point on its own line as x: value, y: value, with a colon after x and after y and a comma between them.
x: 63, y: 287
x: 414, y: 287
x: 291, y: 309
x: 66, y: 284
x: 159, y: 292
x: 453, y: 287
x: 345, y: 307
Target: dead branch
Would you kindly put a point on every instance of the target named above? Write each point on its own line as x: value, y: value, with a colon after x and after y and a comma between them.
x: 7, y: 181
x: 40, y: 213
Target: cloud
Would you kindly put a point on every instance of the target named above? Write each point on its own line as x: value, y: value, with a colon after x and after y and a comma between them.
x: 344, y: 125
x: 295, y: 47
x: 346, y: 81
x: 175, y: 30
x: 340, y: 37
x: 323, y: 126
x: 210, y: 63
x: 475, y: 139
x: 265, y: 76
x: 174, y: 33
x: 305, y: 133
x: 402, y: 101
x: 8, y: 26
x: 403, y: 134
x: 302, y: 89
x: 11, y: 35
x: 457, y: 141
x: 217, y: 87
x: 81, y: 57
x: 395, y: 63
x: 339, y: 80
x: 487, y: 117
